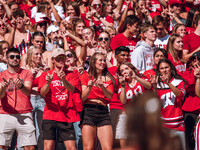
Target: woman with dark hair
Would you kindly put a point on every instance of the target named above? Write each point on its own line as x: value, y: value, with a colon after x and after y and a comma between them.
x: 159, y: 54
x: 170, y: 88
x: 174, y: 49
x: 104, y: 42
x: 131, y: 84
x: 97, y: 89
x: 145, y: 127
x: 73, y: 9
x: 179, y: 29
x: 190, y: 22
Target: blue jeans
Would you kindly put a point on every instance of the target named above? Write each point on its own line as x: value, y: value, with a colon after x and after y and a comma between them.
x: 79, y: 142
x: 38, y: 104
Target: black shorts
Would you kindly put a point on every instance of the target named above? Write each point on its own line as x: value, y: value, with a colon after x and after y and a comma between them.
x: 64, y: 130
x: 95, y: 115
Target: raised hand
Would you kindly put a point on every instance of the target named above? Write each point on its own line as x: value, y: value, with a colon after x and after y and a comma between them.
x: 4, y: 84
x: 121, y: 80
x: 153, y: 79
x: 49, y: 77
x: 164, y: 78
x: 18, y: 82
x: 91, y: 82
x: 26, y: 18
x: 61, y: 73
x: 99, y: 82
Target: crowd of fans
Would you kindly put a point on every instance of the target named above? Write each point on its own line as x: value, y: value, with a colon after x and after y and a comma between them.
x: 100, y: 74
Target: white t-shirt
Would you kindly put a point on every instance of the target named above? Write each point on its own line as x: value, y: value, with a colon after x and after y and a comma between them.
x: 162, y: 42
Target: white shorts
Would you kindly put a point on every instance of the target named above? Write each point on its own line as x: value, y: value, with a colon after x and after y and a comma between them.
x: 22, y: 123
x: 121, y: 132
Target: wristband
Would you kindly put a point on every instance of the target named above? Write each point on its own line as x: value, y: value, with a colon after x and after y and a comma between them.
x: 21, y: 87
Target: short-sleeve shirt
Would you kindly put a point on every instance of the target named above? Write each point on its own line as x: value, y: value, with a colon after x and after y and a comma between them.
x: 191, y: 42
x: 59, y: 103
x: 96, y: 92
x: 14, y: 101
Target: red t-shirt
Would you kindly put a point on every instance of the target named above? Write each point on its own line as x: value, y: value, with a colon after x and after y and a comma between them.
x: 192, y: 102
x: 171, y: 104
x: 148, y: 73
x: 179, y: 65
x: 96, y: 93
x: 132, y: 91
x: 59, y: 101
x: 14, y: 101
x: 121, y: 40
x: 191, y: 42
x: 190, y: 29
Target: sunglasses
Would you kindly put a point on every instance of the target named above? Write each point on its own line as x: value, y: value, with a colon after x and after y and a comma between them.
x: 59, y: 58
x: 13, y: 56
x: 101, y: 39
x: 69, y: 55
x: 96, y: 5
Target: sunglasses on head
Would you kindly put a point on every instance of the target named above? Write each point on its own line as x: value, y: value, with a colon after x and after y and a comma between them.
x: 58, y: 58
x: 69, y: 55
x: 13, y: 56
x: 96, y: 5
x: 101, y: 39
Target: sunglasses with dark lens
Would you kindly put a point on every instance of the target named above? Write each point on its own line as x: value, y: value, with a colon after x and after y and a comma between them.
x: 13, y: 56
x: 101, y: 39
x: 59, y: 58
x: 96, y: 5
x: 69, y: 55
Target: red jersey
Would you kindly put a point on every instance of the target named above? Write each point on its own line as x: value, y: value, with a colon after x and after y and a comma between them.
x: 148, y: 73
x: 96, y: 93
x: 191, y: 42
x: 59, y: 101
x: 14, y: 101
x: 132, y: 91
x: 192, y: 102
x: 179, y: 65
x: 121, y: 40
x: 171, y: 104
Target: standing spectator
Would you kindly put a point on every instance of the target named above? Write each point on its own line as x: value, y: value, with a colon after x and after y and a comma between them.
x: 18, y: 37
x: 190, y: 41
x: 179, y: 29
x: 97, y: 90
x: 142, y: 56
x: 190, y: 22
x: 171, y: 91
x: 174, y: 49
x: 58, y: 86
x: 128, y: 37
x: 160, y: 24
x: 15, y: 110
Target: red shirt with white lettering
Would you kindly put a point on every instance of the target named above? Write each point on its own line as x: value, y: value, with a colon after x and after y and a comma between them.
x: 132, y: 91
x: 59, y: 103
x: 121, y: 40
x: 171, y: 104
x: 179, y: 65
x: 14, y: 101
x: 96, y: 92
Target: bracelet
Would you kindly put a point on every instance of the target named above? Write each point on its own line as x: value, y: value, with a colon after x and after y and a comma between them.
x: 21, y: 87
x: 54, y: 42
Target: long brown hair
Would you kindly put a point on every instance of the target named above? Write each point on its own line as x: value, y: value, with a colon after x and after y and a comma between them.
x: 135, y: 70
x: 93, y: 71
x: 177, y: 55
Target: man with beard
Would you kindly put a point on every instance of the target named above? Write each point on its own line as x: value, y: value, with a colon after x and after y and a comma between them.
x: 15, y: 106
